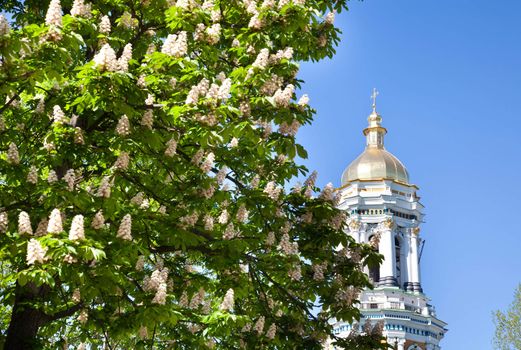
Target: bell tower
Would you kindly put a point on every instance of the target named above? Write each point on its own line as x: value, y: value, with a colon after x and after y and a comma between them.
x: 385, y: 211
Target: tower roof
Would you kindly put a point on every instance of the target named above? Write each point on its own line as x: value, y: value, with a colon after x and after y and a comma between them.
x: 375, y: 162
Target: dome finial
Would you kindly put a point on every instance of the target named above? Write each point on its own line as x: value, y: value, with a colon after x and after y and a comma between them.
x: 374, y: 131
x: 373, y: 97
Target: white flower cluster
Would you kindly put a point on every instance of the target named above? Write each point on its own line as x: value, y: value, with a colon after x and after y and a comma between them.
x: 286, y: 54
x: 123, y: 127
x: 149, y: 101
x: 197, y: 157
x: 122, y: 161
x: 328, y: 192
x: 330, y: 18
x: 228, y: 301
x: 32, y: 175
x: 140, y: 263
x: 295, y: 273
x: 125, y: 228
x: 77, y: 231
x: 78, y: 136
x: 288, y: 247
x: 70, y: 179
x: 55, y: 222
x: 261, y: 61
x: 175, y: 45
x: 259, y: 325
x: 58, y: 116
x: 104, y: 25
x: 197, y: 299
x: 126, y: 56
x: 234, y: 142
x: 208, y: 163
x: 4, y: 222
x: 80, y: 9
x: 338, y: 220
x: 213, y: 33
x: 83, y: 317
x: 318, y: 271
x: 199, y: 31
x: 99, y: 221
x: 272, y: 331
x: 208, y: 222
x: 137, y: 199
x: 148, y: 119
x: 183, y: 300
x: 171, y: 148
x: 197, y: 91
x: 12, y: 154
x: 221, y: 175
x: 224, y: 217
x: 283, y: 97
x: 106, y: 59
x: 54, y: 14
x: 303, y: 101
x: 271, y: 85
x: 242, y: 214
x: 230, y: 232
x: 4, y: 26
x: 24, y: 224
x: 246, y: 328
x: 346, y: 296
x: 157, y: 282
x: 307, y: 217
x: 255, y: 22
x: 40, y: 107
x: 272, y: 190
x: 35, y: 252
x: 289, y: 129
x: 189, y: 220
x: 76, y: 296
x: 254, y: 183
x: 104, y: 188
x: 270, y: 239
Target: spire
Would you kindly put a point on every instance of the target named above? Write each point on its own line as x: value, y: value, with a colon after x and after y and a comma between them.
x: 374, y: 132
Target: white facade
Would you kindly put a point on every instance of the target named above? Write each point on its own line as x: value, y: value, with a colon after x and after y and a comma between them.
x: 385, y: 208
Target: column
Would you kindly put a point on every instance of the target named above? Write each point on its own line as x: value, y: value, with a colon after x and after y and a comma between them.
x: 415, y: 265
x: 408, y: 285
x: 401, y: 344
x: 387, y: 249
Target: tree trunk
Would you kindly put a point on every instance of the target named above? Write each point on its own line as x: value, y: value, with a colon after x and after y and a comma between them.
x: 25, y: 320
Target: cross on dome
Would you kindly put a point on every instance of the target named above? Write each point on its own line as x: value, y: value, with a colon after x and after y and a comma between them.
x: 373, y: 97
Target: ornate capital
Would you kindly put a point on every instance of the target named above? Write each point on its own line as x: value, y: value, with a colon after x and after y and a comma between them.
x: 388, y: 223
x: 354, y: 225
x: 415, y: 230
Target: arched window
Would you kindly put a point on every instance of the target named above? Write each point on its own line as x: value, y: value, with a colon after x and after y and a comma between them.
x: 398, y: 260
x: 374, y: 272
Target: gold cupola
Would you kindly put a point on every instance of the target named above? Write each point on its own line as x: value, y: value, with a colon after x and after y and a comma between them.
x: 375, y: 163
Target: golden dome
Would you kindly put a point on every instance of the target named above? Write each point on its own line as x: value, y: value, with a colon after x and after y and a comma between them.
x: 375, y: 163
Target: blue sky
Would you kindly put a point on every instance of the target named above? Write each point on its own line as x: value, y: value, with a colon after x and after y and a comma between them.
x: 449, y: 76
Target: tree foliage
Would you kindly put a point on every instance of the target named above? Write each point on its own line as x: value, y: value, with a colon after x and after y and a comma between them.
x: 147, y: 149
x: 508, y: 325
